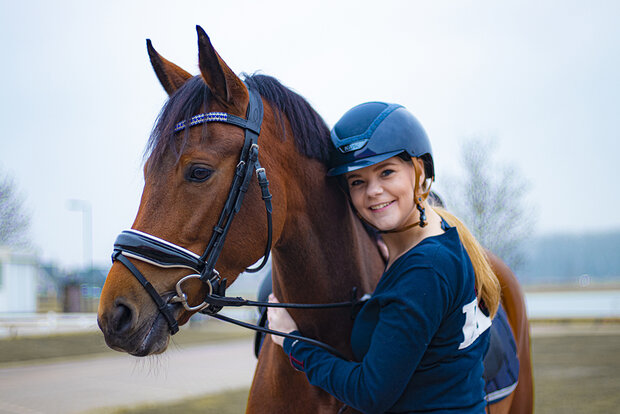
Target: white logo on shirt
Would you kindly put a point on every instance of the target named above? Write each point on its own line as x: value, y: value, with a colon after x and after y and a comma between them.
x: 476, y: 322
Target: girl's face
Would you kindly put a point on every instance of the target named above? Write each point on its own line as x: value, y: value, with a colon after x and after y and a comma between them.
x: 383, y: 194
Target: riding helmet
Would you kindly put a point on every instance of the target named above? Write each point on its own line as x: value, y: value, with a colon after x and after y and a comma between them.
x: 373, y: 132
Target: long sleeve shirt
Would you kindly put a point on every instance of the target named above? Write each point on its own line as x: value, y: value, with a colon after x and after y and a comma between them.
x: 419, y: 341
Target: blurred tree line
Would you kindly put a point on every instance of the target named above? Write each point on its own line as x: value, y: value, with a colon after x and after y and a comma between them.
x: 566, y: 257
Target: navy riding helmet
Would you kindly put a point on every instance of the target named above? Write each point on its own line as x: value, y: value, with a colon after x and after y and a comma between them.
x: 373, y: 132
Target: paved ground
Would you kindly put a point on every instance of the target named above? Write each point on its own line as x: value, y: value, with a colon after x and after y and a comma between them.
x: 121, y: 380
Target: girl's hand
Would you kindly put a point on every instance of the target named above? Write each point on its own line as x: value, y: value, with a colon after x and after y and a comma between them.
x: 279, y: 320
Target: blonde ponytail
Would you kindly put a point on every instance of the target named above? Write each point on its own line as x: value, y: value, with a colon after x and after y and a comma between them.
x: 487, y: 285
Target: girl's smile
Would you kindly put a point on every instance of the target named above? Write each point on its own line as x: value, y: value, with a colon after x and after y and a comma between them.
x: 382, y: 206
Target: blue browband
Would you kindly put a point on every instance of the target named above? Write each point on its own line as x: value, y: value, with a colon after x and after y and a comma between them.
x: 248, y: 124
x: 202, y: 118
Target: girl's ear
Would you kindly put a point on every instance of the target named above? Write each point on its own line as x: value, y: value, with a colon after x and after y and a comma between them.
x: 421, y: 190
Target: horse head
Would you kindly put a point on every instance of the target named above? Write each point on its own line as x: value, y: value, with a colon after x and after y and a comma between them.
x: 188, y: 175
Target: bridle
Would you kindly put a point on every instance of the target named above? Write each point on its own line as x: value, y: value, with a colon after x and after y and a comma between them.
x: 153, y: 250
x: 159, y: 252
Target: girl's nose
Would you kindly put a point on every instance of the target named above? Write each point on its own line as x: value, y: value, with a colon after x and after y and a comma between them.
x: 374, y: 188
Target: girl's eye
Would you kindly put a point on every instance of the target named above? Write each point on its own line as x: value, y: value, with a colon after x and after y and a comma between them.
x: 198, y: 173
x: 353, y: 183
x: 387, y: 172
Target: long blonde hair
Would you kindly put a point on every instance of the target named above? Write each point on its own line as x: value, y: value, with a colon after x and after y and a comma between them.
x: 487, y: 285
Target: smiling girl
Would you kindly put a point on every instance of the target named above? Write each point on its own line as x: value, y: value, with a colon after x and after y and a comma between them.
x: 419, y: 341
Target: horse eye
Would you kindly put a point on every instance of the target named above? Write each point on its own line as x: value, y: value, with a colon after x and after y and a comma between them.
x: 198, y: 173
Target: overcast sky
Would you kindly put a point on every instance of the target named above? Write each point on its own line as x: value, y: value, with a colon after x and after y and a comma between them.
x: 541, y: 77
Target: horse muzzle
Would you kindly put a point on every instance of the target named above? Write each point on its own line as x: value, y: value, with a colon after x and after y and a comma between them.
x: 125, y: 328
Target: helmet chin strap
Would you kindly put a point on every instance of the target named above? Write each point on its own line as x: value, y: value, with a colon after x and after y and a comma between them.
x: 401, y: 229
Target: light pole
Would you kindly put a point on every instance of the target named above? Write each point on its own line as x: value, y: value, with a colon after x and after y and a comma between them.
x: 87, y: 228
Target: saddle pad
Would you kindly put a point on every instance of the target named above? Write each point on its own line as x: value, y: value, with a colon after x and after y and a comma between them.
x: 501, y: 365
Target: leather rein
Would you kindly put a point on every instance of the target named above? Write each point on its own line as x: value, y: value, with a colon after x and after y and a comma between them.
x: 162, y: 253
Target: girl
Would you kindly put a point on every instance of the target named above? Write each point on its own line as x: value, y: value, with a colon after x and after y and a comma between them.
x: 420, y: 339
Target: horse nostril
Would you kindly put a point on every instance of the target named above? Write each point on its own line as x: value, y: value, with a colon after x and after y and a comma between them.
x: 122, y: 318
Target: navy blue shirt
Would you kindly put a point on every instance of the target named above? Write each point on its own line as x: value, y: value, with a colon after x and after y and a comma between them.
x: 419, y: 341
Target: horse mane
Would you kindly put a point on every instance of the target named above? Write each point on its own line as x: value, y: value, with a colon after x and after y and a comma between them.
x: 309, y: 130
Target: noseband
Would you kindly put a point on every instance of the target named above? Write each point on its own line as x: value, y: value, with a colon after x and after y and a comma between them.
x: 150, y: 249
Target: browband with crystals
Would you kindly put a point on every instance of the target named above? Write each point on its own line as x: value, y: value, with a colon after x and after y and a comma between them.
x: 250, y: 124
x: 201, y: 119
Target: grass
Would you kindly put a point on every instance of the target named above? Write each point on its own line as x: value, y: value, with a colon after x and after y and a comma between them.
x: 24, y: 349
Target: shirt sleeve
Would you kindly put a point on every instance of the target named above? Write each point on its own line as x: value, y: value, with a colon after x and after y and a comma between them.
x: 409, y: 316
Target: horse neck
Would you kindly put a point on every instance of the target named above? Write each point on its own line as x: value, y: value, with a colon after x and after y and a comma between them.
x: 323, y: 251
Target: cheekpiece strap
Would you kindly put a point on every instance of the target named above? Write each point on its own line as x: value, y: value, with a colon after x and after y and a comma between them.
x: 245, y: 168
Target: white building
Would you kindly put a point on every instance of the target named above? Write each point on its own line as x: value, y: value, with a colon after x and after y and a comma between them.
x: 18, y: 281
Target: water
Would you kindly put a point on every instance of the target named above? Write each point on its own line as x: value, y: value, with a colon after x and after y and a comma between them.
x: 574, y: 304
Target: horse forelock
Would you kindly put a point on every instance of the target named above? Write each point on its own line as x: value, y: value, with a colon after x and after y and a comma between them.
x: 186, y: 102
x: 310, y: 132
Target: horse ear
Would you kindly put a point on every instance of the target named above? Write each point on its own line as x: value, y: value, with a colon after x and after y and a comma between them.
x: 224, y: 84
x: 170, y: 75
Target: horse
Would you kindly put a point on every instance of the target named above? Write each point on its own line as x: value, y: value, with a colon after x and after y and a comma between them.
x: 320, y: 249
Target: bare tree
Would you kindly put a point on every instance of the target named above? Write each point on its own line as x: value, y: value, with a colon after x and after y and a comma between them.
x: 14, y: 219
x: 490, y: 199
